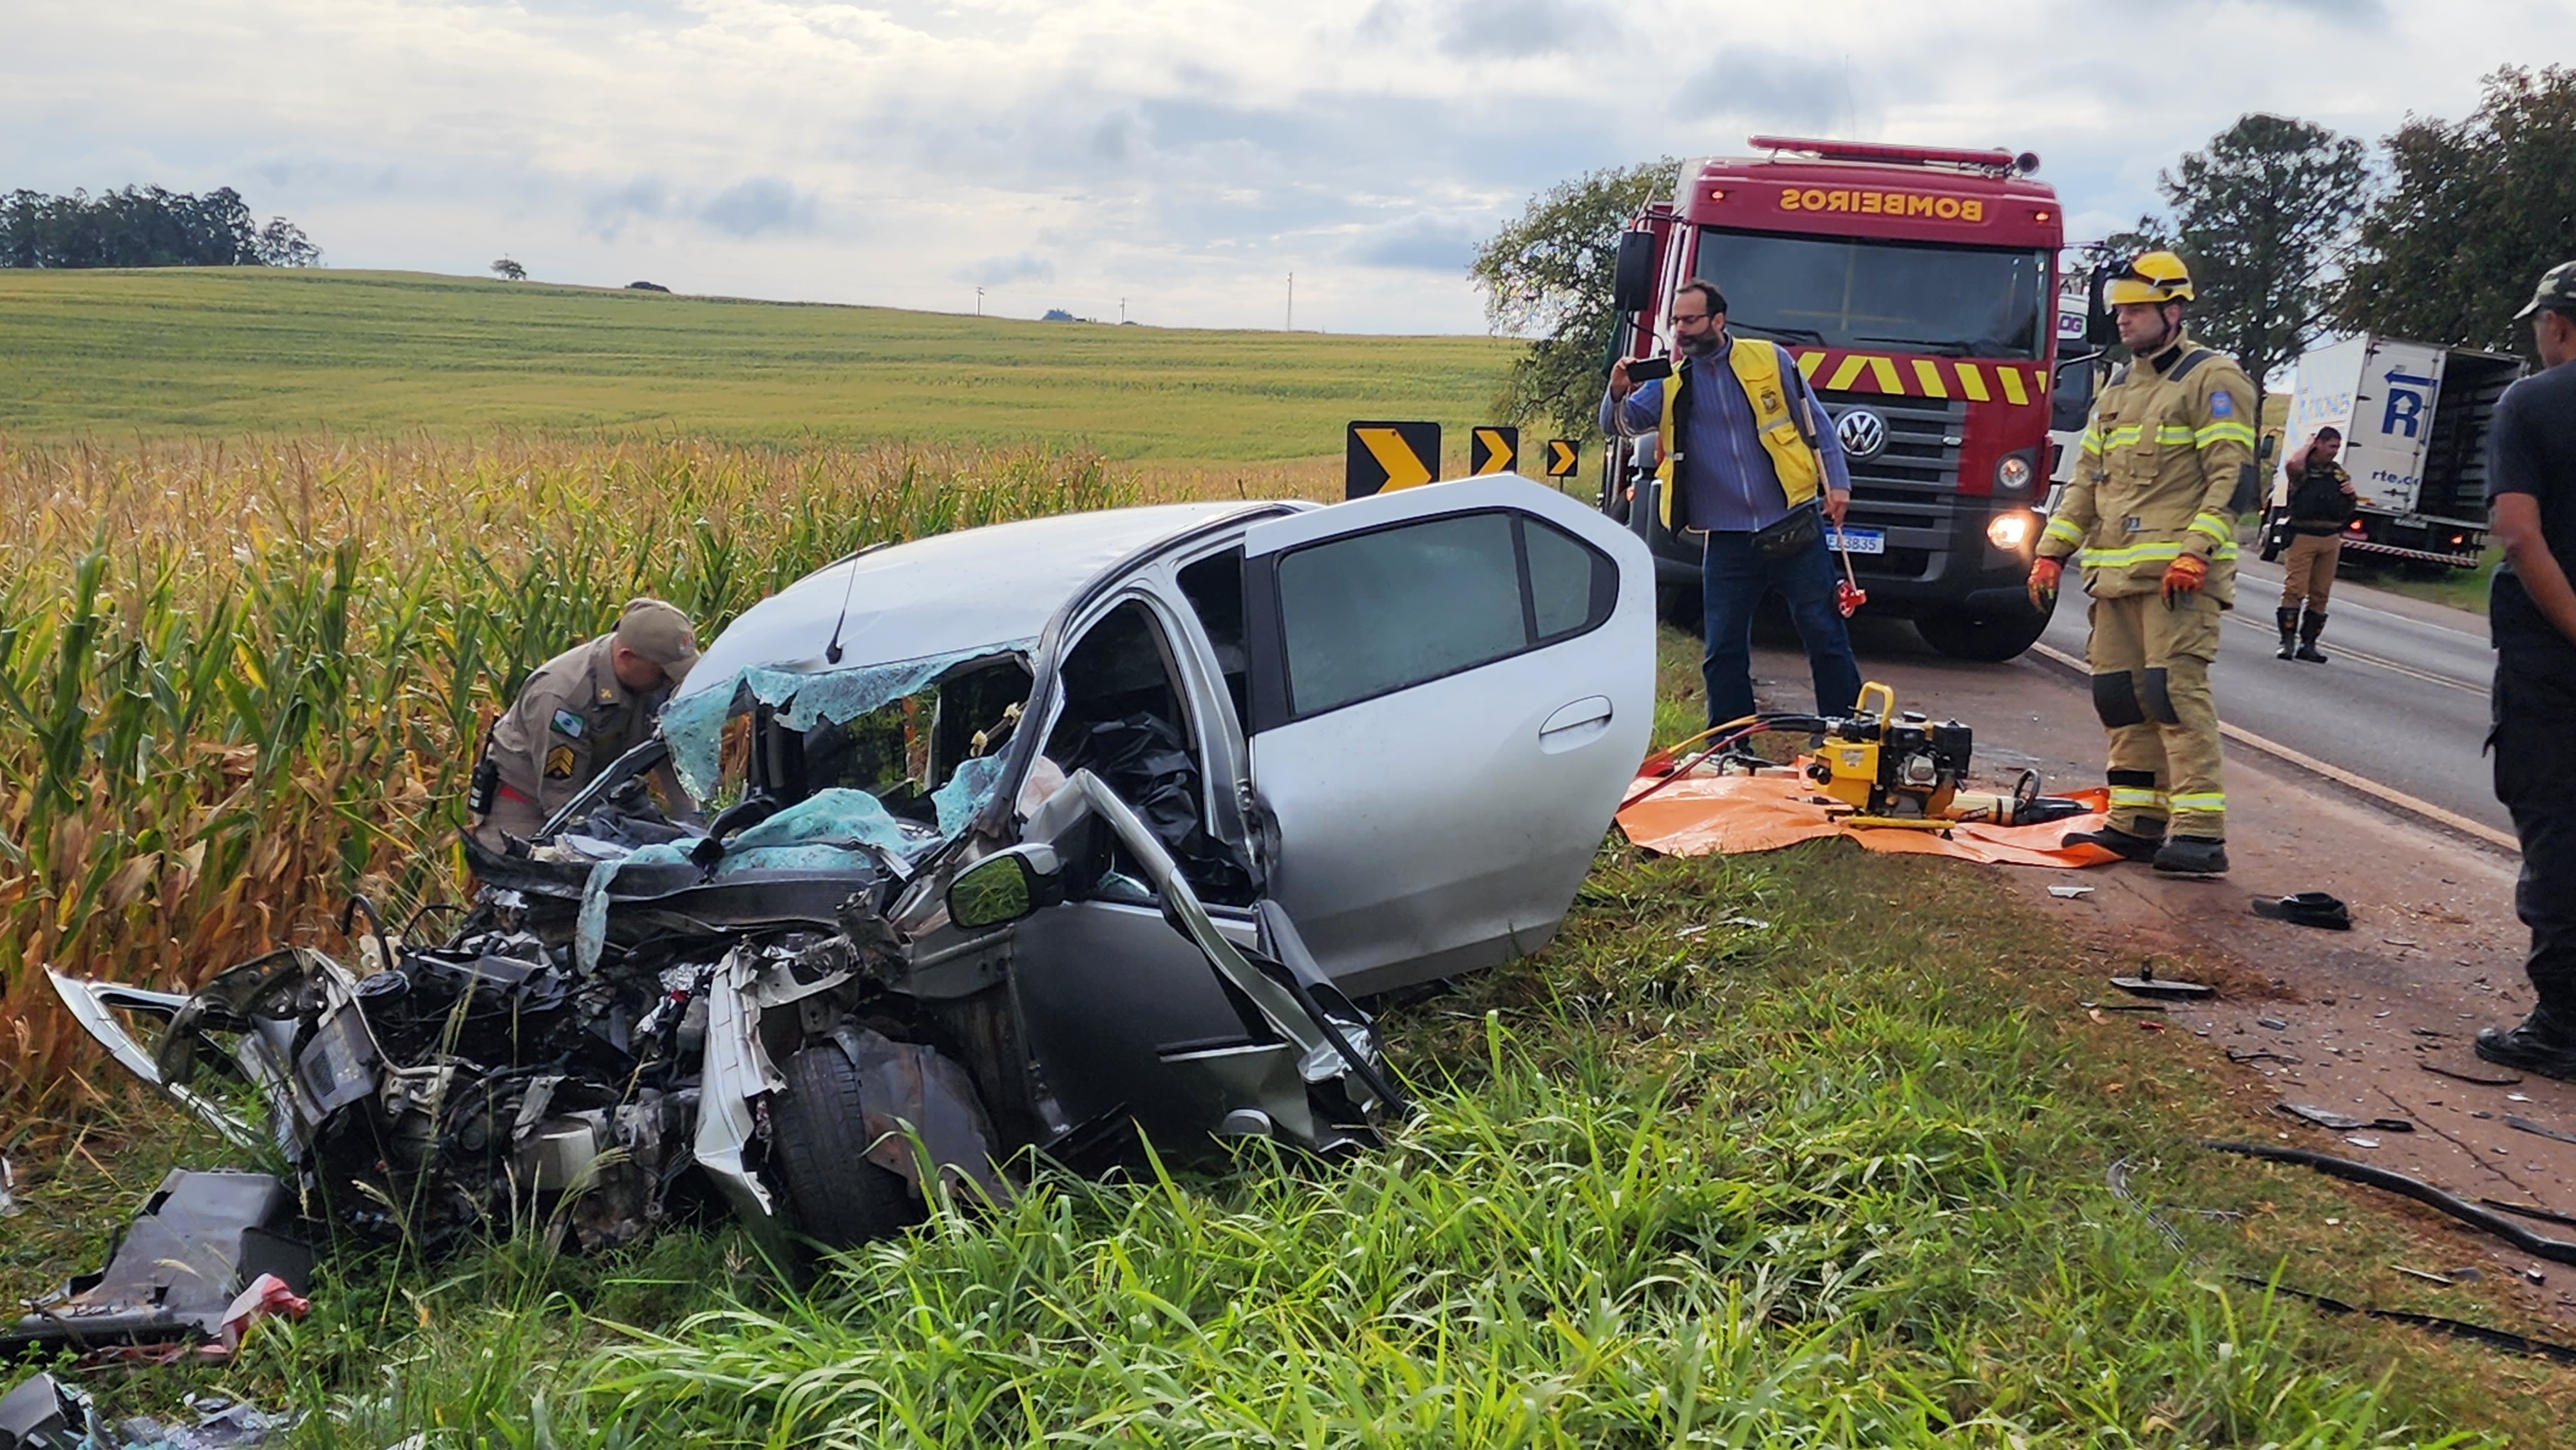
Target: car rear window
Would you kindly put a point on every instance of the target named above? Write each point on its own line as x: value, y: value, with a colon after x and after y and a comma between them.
x: 1369, y: 613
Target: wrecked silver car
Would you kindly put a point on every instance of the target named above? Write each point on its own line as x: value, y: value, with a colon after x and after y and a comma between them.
x: 1036, y: 837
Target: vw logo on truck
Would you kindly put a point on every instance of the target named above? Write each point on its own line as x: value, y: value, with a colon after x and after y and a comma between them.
x: 1862, y: 432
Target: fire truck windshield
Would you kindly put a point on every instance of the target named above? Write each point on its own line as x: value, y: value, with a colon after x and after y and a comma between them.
x: 1889, y: 296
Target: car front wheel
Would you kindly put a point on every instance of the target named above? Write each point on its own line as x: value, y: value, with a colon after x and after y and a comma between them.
x: 1989, y: 638
x: 835, y: 1195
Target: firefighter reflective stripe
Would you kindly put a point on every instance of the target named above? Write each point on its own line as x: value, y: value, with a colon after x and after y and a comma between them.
x: 2225, y: 430
x: 2091, y: 443
x: 2132, y: 798
x: 2209, y: 802
x: 2134, y: 554
x: 2063, y: 529
x: 2218, y: 529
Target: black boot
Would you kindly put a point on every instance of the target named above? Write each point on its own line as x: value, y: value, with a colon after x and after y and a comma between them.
x: 2539, y: 1043
x: 2309, y: 629
x: 2288, y: 619
x: 2193, y: 856
x: 2110, y: 837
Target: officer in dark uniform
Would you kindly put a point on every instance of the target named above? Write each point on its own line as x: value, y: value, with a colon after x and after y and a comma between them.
x: 2531, y: 609
x: 2321, y: 501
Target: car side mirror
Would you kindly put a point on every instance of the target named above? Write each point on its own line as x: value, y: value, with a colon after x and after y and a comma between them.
x: 2099, y: 329
x: 1632, y: 280
x: 1004, y: 887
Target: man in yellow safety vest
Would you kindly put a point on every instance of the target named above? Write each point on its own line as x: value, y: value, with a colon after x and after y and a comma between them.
x: 1750, y: 462
x: 2150, y: 517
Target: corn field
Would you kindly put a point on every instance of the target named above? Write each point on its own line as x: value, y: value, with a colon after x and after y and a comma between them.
x: 239, y: 682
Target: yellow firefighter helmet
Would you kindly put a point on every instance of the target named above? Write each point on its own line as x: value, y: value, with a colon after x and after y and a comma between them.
x: 2152, y: 277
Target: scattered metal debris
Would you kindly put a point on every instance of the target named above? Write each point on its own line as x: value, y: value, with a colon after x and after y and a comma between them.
x: 8, y: 1181
x: 2343, y: 1122
x: 2070, y: 892
x: 2264, y: 1054
x: 2450, y: 1278
x: 43, y: 1413
x: 2521, y: 1124
x: 2275, y: 1024
x: 208, y: 1255
x: 2480, y: 1073
x: 2533, y: 1211
x: 2147, y: 984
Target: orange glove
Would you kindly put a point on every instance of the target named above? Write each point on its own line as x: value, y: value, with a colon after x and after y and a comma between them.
x: 2183, y: 578
x: 2043, y: 583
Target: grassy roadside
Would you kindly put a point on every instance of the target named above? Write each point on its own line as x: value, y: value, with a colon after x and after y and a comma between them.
x: 2457, y: 588
x: 1798, y: 1149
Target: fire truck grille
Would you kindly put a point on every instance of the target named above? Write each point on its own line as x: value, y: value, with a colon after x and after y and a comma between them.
x: 1908, y: 485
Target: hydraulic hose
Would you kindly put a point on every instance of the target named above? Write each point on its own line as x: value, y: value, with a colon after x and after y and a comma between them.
x: 2557, y: 1251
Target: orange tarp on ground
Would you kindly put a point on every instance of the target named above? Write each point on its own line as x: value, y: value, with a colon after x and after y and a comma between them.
x: 1729, y: 814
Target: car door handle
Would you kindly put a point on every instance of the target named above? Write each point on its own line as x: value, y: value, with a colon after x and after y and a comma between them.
x: 1592, y: 712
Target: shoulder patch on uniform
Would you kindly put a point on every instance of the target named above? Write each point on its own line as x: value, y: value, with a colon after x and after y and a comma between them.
x: 568, y: 723
x: 559, y: 763
x: 2221, y: 405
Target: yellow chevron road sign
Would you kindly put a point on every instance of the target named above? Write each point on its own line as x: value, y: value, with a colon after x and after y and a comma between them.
x: 1381, y: 456
x: 1562, y: 459
x: 1496, y: 450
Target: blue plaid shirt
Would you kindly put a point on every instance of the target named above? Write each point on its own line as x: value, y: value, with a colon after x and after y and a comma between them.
x: 1727, y: 479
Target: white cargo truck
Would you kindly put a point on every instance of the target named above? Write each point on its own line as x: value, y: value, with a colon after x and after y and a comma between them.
x: 2414, y: 419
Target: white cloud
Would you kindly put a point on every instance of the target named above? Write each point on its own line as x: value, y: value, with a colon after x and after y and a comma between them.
x: 1183, y: 156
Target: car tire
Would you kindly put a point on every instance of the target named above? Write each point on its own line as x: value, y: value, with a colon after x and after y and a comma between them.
x: 1679, y: 605
x: 1986, y: 638
x: 819, y: 1153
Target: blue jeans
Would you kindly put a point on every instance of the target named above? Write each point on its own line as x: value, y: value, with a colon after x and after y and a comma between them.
x: 1733, y: 580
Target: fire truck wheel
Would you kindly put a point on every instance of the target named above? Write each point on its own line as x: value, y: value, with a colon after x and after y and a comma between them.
x: 1988, y: 638
x: 1679, y: 605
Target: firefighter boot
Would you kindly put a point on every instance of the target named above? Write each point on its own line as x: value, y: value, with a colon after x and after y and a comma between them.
x: 2309, y: 629
x: 2288, y: 619
x: 2193, y: 856
x: 2129, y: 847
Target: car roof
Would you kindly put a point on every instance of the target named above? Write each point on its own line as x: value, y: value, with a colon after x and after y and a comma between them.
x: 996, y: 585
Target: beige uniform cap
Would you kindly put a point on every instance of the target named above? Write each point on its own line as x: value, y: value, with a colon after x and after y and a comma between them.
x: 660, y: 633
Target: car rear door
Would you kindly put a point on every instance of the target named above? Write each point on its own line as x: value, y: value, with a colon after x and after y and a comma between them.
x: 1450, y: 688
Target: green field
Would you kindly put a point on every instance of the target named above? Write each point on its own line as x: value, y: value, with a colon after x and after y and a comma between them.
x: 216, y: 352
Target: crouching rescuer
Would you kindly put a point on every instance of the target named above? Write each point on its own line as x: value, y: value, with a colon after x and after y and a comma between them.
x: 2167, y: 465
x: 577, y: 714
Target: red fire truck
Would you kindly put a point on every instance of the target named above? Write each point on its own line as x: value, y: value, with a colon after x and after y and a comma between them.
x: 1917, y: 290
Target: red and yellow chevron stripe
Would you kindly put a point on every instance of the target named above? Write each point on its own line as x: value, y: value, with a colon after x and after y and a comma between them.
x: 1834, y: 370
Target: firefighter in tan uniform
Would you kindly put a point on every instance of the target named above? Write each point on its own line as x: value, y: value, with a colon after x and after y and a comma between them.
x: 2167, y: 465
x: 578, y: 713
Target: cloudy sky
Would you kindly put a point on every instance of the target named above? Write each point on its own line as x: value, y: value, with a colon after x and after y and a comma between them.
x: 1183, y: 157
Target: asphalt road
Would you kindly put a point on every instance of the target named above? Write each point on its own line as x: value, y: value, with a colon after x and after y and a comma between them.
x: 2401, y: 701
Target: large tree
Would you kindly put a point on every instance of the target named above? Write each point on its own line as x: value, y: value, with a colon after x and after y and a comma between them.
x: 2261, y: 216
x: 145, y: 226
x: 1546, y: 277
x: 2478, y: 209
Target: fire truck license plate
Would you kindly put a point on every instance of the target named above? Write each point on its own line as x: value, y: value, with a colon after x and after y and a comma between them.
x: 1856, y: 541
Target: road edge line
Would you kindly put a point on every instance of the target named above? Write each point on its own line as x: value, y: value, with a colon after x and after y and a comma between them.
x: 2476, y: 830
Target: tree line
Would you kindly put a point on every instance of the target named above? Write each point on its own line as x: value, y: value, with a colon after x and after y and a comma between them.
x: 145, y: 226
x: 2292, y: 233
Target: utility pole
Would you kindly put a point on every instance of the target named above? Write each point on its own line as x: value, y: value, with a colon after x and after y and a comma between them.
x: 1292, y: 304
x: 979, y: 302
x: 1122, y: 312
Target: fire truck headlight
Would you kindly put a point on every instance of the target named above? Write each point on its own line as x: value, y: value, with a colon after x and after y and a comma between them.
x: 2013, y: 474
x: 2012, y: 531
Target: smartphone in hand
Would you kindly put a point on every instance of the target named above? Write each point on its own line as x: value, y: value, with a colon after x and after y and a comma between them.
x: 1647, y: 369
